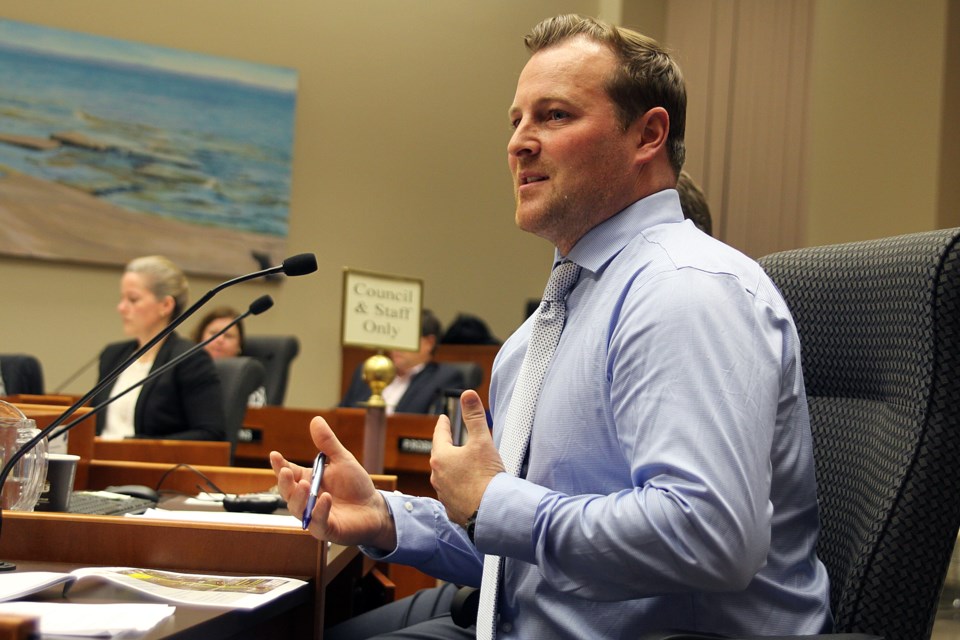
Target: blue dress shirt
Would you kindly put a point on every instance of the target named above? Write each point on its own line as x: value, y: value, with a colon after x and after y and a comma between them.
x: 670, y: 479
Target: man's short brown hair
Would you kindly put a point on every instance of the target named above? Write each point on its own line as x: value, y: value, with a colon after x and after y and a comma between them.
x: 646, y: 77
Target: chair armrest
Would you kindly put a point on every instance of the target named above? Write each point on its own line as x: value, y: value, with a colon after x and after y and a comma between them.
x: 463, y: 609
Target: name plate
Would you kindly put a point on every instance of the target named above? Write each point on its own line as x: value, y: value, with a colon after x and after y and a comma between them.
x: 420, y: 446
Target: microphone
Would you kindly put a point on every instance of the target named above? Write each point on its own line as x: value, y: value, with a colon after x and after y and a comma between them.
x: 298, y: 265
x: 257, y: 307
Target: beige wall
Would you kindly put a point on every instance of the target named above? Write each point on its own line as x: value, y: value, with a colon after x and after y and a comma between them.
x: 949, y: 206
x: 399, y: 159
x: 877, y: 118
x: 399, y: 166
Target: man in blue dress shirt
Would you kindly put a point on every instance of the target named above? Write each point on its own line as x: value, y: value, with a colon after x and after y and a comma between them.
x: 669, y: 481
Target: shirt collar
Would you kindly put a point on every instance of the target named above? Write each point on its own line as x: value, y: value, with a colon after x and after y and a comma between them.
x: 599, y: 245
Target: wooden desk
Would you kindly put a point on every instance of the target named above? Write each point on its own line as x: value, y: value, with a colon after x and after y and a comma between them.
x: 192, y: 547
x: 176, y: 546
x: 277, y: 428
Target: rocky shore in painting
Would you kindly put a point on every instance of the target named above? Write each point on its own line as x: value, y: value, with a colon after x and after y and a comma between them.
x: 44, y: 219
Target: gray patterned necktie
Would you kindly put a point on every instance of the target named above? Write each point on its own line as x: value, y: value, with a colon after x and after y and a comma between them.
x: 544, y: 337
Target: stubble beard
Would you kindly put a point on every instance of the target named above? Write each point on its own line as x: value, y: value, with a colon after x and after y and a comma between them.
x: 560, y: 219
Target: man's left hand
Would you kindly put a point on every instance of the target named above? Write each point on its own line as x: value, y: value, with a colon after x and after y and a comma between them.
x: 461, y: 474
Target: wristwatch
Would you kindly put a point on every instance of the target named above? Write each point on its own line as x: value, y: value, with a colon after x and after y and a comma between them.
x: 472, y: 525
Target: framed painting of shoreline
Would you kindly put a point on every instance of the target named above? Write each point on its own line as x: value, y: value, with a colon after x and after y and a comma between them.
x: 111, y: 149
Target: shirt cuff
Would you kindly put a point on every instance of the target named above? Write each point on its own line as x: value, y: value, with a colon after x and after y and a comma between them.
x: 507, y: 516
x: 416, y: 523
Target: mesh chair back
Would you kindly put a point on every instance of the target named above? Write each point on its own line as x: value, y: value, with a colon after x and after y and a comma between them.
x: 879, y: 325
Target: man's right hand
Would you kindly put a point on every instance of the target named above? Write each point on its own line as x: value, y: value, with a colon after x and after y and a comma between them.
x: 349, y: 510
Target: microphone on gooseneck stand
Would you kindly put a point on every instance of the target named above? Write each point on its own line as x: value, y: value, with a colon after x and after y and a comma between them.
x: 257, y: 307
x: 298, y: 265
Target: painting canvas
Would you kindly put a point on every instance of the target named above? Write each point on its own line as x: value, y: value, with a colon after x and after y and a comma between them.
x: 111, y: 149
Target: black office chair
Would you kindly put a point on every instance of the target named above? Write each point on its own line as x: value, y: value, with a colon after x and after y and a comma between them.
x: 239, y: 377
x: 472, y: 373
x: 879, y: 326
x: 275, y: 353
x: 22, y: 373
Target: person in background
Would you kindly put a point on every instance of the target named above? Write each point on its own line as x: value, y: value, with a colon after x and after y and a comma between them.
x: 668, y: 479
x: 419, y: 383
x: 183, y: 403
x: 229, y: 344
x: 694, y: 203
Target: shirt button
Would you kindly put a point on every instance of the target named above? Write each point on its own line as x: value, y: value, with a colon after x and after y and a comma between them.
x: 506, y: 627
x: 408, y: 506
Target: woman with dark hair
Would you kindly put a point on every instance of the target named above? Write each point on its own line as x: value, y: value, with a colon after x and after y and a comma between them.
x: 227, y: 345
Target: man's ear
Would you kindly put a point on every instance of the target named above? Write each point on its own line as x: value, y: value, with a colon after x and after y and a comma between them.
x: 651, y: 130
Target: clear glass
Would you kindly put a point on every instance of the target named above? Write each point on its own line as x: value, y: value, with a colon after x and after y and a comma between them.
x: 25, y: 482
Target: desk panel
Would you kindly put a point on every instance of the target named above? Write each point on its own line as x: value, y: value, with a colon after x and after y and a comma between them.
x: 178, y: 546
x: 288, y: 431
x: 205, y: 452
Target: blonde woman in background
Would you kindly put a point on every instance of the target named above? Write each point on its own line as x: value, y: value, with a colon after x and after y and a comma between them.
x: 183, y: 403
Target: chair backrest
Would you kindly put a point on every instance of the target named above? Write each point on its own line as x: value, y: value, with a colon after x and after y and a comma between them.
x: 471, y: 371
x: 275, y: 353
x: 21, y: 373
x: 239, y: 377
x: 879, y: 325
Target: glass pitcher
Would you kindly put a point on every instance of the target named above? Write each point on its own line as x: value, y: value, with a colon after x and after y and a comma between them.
x: 22, y: 489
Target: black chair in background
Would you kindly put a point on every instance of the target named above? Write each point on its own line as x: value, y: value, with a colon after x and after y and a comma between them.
x: 275, y: 353
x: 472, y: 373
x: 239, y: 377
x: 879, y: 325
x: 22, y: 373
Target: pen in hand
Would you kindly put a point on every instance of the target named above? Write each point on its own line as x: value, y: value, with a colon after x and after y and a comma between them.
x: 314, y: 489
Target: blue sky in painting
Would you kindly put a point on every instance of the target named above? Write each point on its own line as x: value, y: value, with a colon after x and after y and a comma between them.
x: 81, y: 45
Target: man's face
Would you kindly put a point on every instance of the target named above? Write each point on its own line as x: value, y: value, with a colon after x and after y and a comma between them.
x: 572, y: 164
x: 404, y: 361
